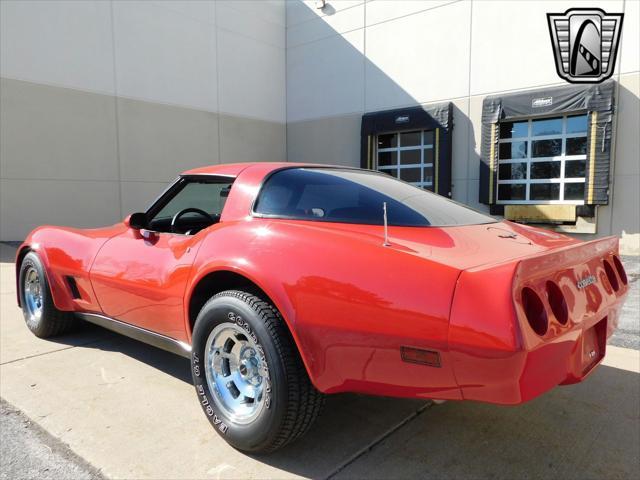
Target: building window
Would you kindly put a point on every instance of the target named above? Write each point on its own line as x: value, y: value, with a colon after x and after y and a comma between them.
x: 543, y: 160
x: 407, y: 156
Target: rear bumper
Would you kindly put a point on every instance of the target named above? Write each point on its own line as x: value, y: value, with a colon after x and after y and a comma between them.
x: 515, y: 378
x: 506, y: 350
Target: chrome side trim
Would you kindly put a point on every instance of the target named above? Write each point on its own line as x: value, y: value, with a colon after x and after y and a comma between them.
x: 141, y: 334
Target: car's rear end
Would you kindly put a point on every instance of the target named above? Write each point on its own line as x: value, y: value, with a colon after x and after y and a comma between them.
x: 398, y: 291
x: 522, y: 327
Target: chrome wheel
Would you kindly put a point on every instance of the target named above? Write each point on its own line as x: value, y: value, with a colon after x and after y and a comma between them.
x: 32, y: 289
x: 236, y: 373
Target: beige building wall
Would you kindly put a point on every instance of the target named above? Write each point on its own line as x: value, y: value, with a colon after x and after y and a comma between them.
x: 104, y: 102
x: 355, y: 57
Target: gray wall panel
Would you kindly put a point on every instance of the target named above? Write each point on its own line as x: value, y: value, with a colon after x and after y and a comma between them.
x: 334, y: 140
x: 159, y: 141
x: 83, y: 159
x: 26, y: 204
x: 137, y: 196
x: 56, y: 133
x: 250, y: 140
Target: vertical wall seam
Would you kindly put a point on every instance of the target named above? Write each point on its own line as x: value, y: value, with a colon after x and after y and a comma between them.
x: 614, y: 132
x: 217, y: 65
x: 364, y: 58
x: 286, y: 83
x: 116, y: 107
x: 469, y: 122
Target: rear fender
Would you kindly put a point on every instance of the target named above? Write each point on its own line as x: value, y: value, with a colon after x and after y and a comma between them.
x: 229, y: 249
x: 484, y: 337
x: 273, y: 290
x: 347, y: 323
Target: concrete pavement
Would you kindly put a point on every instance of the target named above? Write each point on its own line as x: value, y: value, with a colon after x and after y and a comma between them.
x: 129, y: 410
x: 628, y: 332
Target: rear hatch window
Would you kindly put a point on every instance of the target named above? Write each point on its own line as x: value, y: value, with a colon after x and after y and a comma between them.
x: 357, y: 196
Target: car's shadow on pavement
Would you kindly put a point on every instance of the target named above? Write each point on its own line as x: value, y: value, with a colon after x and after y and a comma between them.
x: 589, y: 430
x: 349, y: 423
x: 585, y: 430
x: 92, y: 336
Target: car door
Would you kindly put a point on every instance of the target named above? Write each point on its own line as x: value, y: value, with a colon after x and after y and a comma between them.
x: 139, y: 276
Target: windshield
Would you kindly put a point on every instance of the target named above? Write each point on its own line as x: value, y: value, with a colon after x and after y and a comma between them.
x: 357, y: 196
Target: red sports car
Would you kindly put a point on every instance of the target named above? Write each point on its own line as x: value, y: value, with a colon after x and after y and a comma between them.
x: 285, y: 282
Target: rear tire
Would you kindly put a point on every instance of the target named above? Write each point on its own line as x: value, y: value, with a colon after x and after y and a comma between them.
x: 249, y: 377
x: 40, y: 314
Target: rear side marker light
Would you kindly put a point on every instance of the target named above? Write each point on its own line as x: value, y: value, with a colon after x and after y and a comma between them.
x: 418, y: 355
x: 620, y: 268
x: 557, y: 303
x: 611, y: 275
x: 534, y: 310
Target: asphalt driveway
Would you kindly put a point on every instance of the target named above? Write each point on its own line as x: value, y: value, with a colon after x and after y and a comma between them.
x: 128, y: 410
x: 29, y: 451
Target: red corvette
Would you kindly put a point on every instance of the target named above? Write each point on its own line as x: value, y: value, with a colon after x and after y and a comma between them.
x: 285, y: 282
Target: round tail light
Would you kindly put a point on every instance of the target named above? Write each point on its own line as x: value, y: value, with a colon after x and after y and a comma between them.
x: 620, y: 268
x: 534, y: 310
x: 611, y: 275
x: 557, y: 303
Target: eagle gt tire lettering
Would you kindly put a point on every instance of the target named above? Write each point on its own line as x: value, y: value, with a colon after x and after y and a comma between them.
x: 248, y: 375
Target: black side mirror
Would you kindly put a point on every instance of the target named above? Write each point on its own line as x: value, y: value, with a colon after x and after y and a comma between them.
x: 136, y: 221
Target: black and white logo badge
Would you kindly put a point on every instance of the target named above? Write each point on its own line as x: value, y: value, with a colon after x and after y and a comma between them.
x: 585, y: 43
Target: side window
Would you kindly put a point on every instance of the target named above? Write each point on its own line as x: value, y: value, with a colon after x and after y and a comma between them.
x: 206, y: 195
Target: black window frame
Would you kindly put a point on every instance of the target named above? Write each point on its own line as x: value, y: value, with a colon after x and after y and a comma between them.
x: 173, y: 189
x: 531, y: 161
x: 598, y: 101
x: 435, y: 117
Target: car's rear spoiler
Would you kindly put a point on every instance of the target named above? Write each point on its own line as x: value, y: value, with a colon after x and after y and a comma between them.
x: 547, y: 262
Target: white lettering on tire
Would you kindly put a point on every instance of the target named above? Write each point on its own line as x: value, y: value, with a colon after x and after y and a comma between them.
x: 238, y: 320
x: 205, y: 401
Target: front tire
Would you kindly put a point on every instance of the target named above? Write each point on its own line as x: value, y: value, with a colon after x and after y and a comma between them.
x: 40, y: 314
x: 248, y: 375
